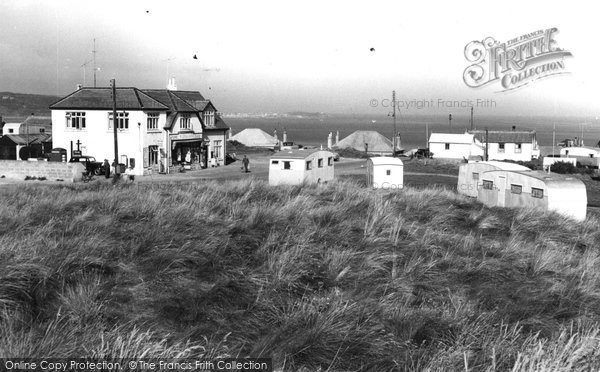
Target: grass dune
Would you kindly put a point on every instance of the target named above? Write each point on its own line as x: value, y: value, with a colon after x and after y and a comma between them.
x: 319, y: 278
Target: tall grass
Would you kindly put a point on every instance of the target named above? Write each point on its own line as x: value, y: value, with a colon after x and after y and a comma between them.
x: 335, y: 277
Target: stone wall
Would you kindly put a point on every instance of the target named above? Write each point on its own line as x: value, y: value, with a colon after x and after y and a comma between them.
x: 18, y: 169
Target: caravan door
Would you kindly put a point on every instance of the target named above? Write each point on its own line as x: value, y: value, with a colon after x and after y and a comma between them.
x: 501, y: 191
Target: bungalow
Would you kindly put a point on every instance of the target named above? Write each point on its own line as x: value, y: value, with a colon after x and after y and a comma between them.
x: 536, y: 189
x: 508, y: 145
x: 453, y: 146
x: 295, y: 167
x: 585, y: 156
x: 158, y: 129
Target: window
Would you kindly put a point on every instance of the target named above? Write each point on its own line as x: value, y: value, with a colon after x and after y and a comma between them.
x: 287, y: 165
x: 42, y: 130
x: 330, y: 161
x: 209, y: 118
x: 75, y: 120
x: 152, y: 122
x: 475, y: 176
x: 320, y: 163
x: 217, y: 148
x: 516, y: 189
x: 122, y: 120
x: 488, y: 185
x: 10, y: 130
x: 500, y: 147
x: 388, y: 172
x: 537, y: 193
x: 447, y: 146
x: 153, y: 155
x: 518, y: 147
x: 185, y: 121
x: 308, y: 164
x: 275, y: 162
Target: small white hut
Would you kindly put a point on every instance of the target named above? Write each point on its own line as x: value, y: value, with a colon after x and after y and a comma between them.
x: 469, y: 174
x: 295, y: 167
x: 384, y: 172
x: 537, y: 189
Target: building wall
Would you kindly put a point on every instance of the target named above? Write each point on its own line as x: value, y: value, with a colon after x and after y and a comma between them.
x: 97, y: 139
x: 16, y: 169
x: 509, y: 152
x: 456, y: 151
x: 213, y: 152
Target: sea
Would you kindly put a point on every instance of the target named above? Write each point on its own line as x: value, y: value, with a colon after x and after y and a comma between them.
x: 414, y: 130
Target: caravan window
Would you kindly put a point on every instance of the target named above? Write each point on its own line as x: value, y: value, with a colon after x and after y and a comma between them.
x: 475, y: 176
x: 516, y: 189
x: 308, y: 164
x: 537, y: 193
x: 320, y: 162
x: 488, y: 185
x: 330, y: 160
x: 388, y: 172
x: 287, y: 165
x: 274, y: 161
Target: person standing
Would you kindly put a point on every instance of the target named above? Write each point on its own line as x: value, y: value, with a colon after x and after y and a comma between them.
x: 106, y: 168
x: 246, y: 164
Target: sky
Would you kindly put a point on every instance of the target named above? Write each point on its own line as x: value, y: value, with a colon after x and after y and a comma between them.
x: 281, y: 56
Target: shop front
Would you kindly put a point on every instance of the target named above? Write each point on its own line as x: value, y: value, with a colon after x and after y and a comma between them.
x: 189, y: 153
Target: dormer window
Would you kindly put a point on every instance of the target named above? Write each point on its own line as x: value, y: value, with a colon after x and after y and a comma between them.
x: 209, y: 118
x: 185, y: 121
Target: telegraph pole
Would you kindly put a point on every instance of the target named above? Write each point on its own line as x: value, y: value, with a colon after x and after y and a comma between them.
x: 94, y: 59
x: 394, y: 118
x: 114, y: 123
x: 471, y: 117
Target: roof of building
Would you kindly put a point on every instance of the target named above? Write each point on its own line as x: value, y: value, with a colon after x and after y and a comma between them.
x: 548, y: 178
x: 463, y: 138
x: 506, y: 136
x: 357, y: 140
x: 174, y: 101
x: 255, y: 137
x: 297, y: 154
x: 101, y: 99
x: 385, y: 160
x: 21, y: 139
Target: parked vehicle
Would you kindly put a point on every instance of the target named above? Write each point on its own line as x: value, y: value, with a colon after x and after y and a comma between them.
x: 89, y: 162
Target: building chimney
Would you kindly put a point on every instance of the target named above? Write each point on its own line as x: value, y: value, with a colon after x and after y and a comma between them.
x: 329, y: 140
x: 79, y: 86
x: 284, y: 135
x: 172, y: 85
x: 337, y: 137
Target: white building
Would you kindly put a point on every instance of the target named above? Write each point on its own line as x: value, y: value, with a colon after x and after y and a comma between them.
x: 384, y: 172
x: 469, y: 174
x: 508, y: 145
x: 158, y: 130
x: 535, y: 189
x: 453, y: 146
x: 295, y: 167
